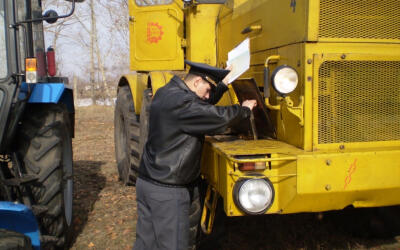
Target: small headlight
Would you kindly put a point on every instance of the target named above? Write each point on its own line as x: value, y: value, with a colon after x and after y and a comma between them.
x: 254, y: 196
x: 284, y: 79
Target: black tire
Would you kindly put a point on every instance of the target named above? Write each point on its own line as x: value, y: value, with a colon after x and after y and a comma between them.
x: 144, y: 119
x: 45, y: 148
x: 10, y: 240
x: 126, y: 137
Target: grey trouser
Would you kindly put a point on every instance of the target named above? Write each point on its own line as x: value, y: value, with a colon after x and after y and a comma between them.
x: 163, y: 217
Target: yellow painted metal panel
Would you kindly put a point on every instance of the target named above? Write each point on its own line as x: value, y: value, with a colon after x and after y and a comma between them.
x: 308, y: 20
x: 303, y: 54
x: 217, y: 153
x: 201, y: 33
x: 288, y: 128
x: 358, y: 40
x: 335, y: 174
x: 209, y: 164
x: 159, y: 79
x: 254, y: 147
x: 355, y: 171
x: 352, y: 20
x: 269, y: 15
x: 337, y: 180
x: 156, y: 35
x: 137, y: 84
x: 152, y: 40
x: 313, y: 20
x: 307, y: 79
x: 356, y: 100
x: 307, y: 181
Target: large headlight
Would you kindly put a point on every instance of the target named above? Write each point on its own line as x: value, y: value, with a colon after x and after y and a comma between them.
x: 253, y: 196
x: 284, y: 79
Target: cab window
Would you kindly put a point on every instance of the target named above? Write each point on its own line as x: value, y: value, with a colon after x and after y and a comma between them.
x: 152, y: 2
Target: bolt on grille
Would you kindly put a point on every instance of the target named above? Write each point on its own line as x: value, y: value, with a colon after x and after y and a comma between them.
x: 368, y: 19
x: 358, y: 101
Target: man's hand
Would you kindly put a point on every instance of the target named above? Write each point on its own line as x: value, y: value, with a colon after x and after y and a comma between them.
x: 250, y: 104
x: 228, y: 76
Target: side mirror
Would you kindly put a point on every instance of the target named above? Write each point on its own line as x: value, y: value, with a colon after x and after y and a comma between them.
x: 51, y: 16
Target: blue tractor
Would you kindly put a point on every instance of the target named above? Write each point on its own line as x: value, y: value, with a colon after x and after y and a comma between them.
x: 36, y: 127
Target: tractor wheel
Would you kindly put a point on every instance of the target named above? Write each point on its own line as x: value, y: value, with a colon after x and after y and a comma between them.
x: 10, y: 240
x: 126, y: 136
x: 45, y: 148
x: 144, y: 119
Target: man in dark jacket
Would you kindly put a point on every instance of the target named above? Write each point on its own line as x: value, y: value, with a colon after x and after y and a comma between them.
x: 181, y: 113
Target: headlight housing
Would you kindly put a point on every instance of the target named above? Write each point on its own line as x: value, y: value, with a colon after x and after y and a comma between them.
x: 254, y: 196
x: 284, y: 79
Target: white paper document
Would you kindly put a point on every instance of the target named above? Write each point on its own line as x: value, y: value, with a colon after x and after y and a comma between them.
x: 239, y: 59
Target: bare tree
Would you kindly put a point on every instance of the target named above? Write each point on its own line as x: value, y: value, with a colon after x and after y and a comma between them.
x: 57, y: 29
x: 98, y: 38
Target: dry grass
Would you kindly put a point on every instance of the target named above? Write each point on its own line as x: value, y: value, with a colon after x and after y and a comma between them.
x: 105, y: 210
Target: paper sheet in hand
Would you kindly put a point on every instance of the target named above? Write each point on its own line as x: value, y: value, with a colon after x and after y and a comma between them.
x: 239, y: 59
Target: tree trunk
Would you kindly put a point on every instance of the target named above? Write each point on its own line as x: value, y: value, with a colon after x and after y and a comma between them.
x: 92, y: 40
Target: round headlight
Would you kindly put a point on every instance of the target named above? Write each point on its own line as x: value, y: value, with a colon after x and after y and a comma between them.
x: 254, y: 196
x: 284, y: 79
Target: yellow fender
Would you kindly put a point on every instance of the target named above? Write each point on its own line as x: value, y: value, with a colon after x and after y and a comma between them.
x: 159, y: 79
x: 137, y: 84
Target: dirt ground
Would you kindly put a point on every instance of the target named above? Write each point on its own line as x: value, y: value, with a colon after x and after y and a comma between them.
x: 105, y: 210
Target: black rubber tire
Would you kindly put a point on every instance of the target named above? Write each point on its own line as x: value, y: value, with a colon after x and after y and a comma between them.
x: 194, y: 220
x: 10, y: 240
x: 45, y: 148
x: 144, y: 119
x: 126, y: 136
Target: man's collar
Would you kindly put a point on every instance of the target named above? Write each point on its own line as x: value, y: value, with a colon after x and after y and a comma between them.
x: 181, y: 84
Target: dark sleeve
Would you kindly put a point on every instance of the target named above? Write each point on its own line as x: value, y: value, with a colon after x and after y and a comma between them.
x: 217, y: 93
x: 199, y: 117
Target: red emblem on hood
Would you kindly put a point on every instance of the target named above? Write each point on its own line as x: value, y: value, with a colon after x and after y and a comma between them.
x: 154, y: 32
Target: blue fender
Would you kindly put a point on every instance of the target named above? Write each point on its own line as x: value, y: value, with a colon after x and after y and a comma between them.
x: 19, y: 218
x: 48, y: 93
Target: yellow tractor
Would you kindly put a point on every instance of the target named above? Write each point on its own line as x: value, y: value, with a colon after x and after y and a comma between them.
x: 326, y: 74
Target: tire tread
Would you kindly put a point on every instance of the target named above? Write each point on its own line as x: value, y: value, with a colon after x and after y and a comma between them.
x: 47, y: 126
x: 128, y: 164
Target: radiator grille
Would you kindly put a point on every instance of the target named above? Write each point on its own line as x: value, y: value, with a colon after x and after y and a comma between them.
x: 358, y: 101
x: 368, y: 19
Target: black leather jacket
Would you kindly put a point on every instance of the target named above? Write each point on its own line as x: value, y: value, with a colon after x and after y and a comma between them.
x: 179, y: 119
